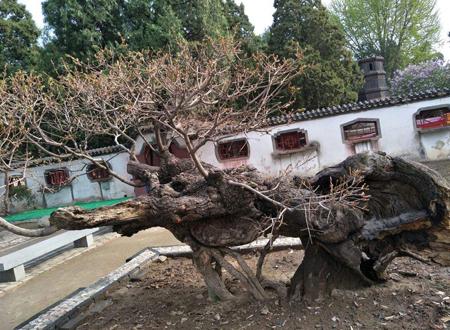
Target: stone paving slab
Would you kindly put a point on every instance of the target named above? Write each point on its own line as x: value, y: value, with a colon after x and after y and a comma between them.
x: 51, y: 262
x: 61, y: 312
x: 8, y: 240
x: 68, y: 309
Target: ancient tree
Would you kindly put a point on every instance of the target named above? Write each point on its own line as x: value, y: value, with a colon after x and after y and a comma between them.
x: 353, y: 218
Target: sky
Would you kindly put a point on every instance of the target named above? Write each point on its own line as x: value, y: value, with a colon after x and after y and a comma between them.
x: 260, y: 14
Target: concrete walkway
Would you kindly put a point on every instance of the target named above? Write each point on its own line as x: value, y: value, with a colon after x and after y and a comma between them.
x: 46, y: 288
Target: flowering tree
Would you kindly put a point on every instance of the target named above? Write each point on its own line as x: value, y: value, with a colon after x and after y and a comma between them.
x: 421, y: 77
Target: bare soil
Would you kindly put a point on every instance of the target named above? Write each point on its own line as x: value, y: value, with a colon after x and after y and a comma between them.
x: 171, y: 295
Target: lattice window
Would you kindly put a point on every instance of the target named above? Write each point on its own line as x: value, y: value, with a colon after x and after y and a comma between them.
x: 97, y: 173
x: 58, y: 177
x: 433, y: 118
x: 16, y: 181
x: 290, y: 140
x: 233, y: 149
x: 360, y: 131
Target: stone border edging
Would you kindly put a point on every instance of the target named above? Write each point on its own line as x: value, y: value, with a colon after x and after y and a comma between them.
x: 61, y: 312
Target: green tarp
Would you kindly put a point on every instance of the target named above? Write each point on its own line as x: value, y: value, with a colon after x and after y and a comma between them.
x: 36, y: 214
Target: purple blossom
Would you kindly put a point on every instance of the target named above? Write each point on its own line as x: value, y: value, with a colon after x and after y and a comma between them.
x: 421, y: 77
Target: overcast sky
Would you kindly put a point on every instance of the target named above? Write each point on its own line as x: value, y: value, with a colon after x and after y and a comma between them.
x: 260, y: 14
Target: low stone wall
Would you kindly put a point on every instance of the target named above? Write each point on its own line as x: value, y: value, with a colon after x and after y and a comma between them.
x: 441, y: 166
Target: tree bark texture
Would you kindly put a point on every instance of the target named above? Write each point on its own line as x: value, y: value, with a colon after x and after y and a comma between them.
x: 407, y: 213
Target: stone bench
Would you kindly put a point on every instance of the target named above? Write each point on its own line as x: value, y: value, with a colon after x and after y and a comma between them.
x: 12, y: 261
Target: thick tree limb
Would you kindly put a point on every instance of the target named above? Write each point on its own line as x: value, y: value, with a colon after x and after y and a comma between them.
x: 349, y: 246
x: 27, y: 232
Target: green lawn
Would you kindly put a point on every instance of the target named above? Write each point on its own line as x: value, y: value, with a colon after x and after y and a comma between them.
x: 36, y: 214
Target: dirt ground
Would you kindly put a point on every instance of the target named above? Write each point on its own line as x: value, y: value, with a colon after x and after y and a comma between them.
x: 171, y: 295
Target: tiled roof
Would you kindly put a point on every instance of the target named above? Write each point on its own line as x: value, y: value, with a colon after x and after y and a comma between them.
x: 358, y: 106
x: 49, y: 160
x: 105, y: 150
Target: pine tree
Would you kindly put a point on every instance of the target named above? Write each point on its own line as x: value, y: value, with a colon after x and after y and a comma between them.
x: 240, y: 26
x: 331, y: 76
x: 18, y: 37
x: 151, y: 25
x: 201, y: 19
x: 80, y: 28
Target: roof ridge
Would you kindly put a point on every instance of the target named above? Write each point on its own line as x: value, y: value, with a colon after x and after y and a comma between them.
x: 338, y: 109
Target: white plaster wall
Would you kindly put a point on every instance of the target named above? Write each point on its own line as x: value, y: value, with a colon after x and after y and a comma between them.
x: 81, y: 189
x: 398, y: 138
x: 436, y: 144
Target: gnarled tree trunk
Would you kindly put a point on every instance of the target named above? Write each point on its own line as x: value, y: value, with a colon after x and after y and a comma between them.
x: 347, y: 245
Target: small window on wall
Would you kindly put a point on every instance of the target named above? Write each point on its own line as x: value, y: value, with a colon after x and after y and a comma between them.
x: 361, y: 131
x: 433, y: 118
x: 97, y: 173
x: 287, y: 141
x: 361, y: 134
x: 57, y: 177
x: 16, y: 181
x: 233, y: 149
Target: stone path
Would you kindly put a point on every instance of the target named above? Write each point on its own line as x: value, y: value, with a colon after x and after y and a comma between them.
x: 58, y: 277
x: 8, y: 240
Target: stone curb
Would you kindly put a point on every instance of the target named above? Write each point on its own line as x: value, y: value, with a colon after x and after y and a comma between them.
x: 60, y: 313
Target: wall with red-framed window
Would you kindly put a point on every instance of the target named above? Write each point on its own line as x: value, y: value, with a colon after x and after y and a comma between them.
x: 232, y: 150
x: 361, y: 134
x: 431, y: 118
x: 57, y: 177
x: 97, y: 173
x: 292, y: 141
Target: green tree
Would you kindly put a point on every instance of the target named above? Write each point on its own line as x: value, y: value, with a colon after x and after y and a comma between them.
x: 331, y: 76
x: 18, y: 37
x: 151, y: 25
x: 240, y: 26
x: 201, y: 18
x: 402, y: 31
x: 81, y: 27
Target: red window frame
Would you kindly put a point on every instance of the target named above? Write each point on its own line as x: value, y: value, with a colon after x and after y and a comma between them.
x: 361, y: 131
x: 233, y: 149
x: 293, y: 140
x: 57, y: 177
x: 96, y: 173
x: 433, y: 118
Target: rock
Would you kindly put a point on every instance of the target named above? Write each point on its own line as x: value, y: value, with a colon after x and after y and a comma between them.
x: 396, y: 277
x: 161, y: 258
x: 137, y: 277
x: 183, y: 319
x: 173, y: 313
x: 338, y: 293
x: 199, y: 296
x: 264, y: 310
x: 407, y: 273
x: 217, y: 317
x: 335, y: 319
